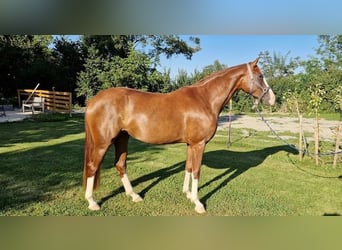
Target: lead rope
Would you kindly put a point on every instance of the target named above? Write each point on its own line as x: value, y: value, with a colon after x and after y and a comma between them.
x: 289, y: 144
x: 305, y: 151
x: 299, y: 151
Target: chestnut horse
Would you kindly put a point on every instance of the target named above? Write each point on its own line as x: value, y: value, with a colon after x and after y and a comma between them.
x: 188, y: 115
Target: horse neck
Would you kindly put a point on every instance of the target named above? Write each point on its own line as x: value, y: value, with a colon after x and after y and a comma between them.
x: 221, y: 87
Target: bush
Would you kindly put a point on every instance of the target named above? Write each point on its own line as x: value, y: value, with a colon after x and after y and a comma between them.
x: 49, y: 117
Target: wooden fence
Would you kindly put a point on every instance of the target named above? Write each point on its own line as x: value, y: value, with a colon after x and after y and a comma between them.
x: 54, y: 100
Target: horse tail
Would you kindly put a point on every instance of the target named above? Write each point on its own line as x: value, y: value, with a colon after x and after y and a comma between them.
x: 88, y: 152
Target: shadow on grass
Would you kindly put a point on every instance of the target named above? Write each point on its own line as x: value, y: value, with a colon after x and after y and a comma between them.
x: 225, y: 118
x: 30, y: 172
x: 331, y: 214
x: 31, y: 131
x: 236, y: 163
x: 32, y: 175
x: 159, y: 175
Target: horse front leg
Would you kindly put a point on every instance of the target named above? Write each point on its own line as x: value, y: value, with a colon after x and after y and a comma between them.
x: 193, y: 167
x: 188, y: 171
x: 186, y: 184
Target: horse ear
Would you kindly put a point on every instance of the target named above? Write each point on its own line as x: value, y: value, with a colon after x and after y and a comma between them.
x: 255, y: 62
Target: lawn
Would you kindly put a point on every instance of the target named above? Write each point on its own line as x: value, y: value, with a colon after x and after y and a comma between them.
x: 41, y: 164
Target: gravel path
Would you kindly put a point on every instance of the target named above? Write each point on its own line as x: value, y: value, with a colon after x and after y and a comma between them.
x: 281, y: 124
x: 15, y: 116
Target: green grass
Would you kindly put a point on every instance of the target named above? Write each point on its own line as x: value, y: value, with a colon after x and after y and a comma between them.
x: 41, y: 166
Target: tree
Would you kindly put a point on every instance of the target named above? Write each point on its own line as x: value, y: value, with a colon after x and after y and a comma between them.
x: 25, y: 60
x: 209, y: 69
x: 129, y: 61
x: 88, y: 83
x: 133, y: 71
x: 109, y: 46
x: 330, y: 51
x: 182, y: 79
x: 119, y: 45
x: 278, y: 65
x: 325, y: 70
x: 171, y: 45
x: 185, y: 79
x: 68, y: 58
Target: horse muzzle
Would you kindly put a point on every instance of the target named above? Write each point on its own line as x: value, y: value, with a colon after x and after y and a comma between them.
x: 269, y: 98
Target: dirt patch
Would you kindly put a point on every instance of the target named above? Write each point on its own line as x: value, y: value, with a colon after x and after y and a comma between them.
x: 281, y: 124
x: 14, y: 116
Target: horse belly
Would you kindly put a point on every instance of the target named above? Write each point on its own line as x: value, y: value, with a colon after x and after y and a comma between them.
x: 155, y: 130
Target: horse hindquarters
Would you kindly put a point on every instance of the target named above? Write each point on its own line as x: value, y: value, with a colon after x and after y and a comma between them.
x: 97, y: 141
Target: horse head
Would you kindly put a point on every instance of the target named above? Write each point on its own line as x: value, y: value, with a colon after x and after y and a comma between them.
x: 256, y: 85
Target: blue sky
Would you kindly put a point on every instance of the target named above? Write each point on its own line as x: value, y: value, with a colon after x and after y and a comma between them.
x: 236, y: 49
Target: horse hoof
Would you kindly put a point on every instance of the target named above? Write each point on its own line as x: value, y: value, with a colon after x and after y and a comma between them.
x: 200, y: 209
x: 94, y: 207
x: 137, y: 198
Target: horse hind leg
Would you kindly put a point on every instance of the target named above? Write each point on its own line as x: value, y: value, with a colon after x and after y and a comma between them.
x: 89, y: 194
x: 91, y: 175
x: 121, y: 150
x: 94, y: 151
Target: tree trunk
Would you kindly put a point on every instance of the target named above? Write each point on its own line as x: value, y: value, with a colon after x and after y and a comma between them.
x: 317, y: 140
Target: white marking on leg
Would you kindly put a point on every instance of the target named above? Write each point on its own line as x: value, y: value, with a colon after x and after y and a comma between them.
x: 186, y: 184
x: 194, y: 196
x: 129, y: 189
x: 89, y: 194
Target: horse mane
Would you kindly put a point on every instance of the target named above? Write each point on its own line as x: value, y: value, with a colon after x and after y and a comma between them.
x: 213, y: 75
x: 209, y: 78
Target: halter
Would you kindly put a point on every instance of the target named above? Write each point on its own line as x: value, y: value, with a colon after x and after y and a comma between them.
x: 264, y: 90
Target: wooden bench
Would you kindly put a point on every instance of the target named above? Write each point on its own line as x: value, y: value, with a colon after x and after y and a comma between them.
x: 37, y: 102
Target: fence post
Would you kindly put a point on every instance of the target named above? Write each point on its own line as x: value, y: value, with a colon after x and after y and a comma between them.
x: 337, y: 144
x: 70, y: 104
x: 54, y: 100
x: 300, y: 141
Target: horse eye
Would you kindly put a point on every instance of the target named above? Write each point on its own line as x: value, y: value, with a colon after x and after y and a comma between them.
x: 261, y: 76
